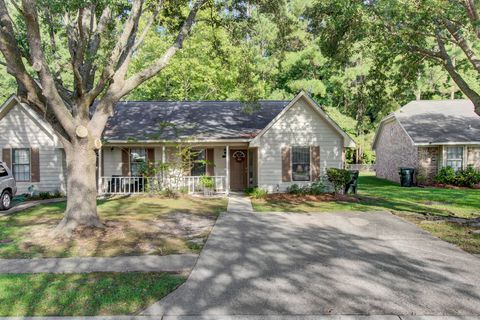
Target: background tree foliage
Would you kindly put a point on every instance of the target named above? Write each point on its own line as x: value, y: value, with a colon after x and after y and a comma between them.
x: 359, y: 59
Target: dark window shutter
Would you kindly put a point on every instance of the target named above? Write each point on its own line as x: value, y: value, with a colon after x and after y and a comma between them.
x: 7, y: 157
x: 150, y: 155
x: 286, y: 165
x: 102, y: 162
x: 211, y: 164
x: 35, y: 164
x: 315, y: 162
x: 125, y: 162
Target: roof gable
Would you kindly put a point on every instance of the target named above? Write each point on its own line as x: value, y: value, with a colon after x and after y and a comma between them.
x: 347, y: 140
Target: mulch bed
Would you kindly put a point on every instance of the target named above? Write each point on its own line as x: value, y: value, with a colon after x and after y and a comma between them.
x: 297, y: 199
x: 449, y: 186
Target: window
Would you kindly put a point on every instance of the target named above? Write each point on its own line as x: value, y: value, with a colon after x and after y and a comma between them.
x: 300, y: 163
x: 198, y: 163
x: 455, y: 157
x: 21, y: 164
x: 3, y: 172
x: 138, y: 157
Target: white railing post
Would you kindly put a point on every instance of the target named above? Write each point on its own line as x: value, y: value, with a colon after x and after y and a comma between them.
x: 227, y: 169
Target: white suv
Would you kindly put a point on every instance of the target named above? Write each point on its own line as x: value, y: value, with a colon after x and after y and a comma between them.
x: 8, y: 187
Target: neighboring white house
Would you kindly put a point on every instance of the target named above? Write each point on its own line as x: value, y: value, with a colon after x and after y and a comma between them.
x: 428, y: 135
x: 271, y: 144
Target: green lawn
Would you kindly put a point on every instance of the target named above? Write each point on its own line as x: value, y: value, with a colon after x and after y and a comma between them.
x: 82, y: 294
x: 409, y: 203
x: 134, y: 226
x: 378, y: 194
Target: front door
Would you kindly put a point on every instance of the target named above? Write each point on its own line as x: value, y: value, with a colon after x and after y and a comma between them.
x: 238, y: 170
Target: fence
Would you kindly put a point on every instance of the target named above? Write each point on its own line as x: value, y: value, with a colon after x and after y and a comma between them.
x: 139, y: 185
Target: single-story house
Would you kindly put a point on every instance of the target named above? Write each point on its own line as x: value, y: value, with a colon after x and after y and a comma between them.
x: 272, y: 144
x: 428, y: 135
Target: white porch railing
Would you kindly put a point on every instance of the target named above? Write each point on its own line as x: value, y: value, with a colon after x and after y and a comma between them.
x: 139, y: 185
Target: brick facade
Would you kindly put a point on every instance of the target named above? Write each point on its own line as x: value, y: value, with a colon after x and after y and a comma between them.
x: 394, y: 149
x: 429, y: 160
x: 473, y: 156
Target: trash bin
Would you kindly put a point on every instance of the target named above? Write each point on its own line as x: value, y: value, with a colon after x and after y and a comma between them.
x: 406, y: 177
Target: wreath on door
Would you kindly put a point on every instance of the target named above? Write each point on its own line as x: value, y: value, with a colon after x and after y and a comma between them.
x: 239, y: 156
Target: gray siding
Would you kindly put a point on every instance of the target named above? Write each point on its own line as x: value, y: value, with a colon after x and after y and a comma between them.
x: 299, y: 126
x: 21, y: 129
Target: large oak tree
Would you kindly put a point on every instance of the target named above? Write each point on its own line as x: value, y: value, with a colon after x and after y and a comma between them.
x: 100, y: 40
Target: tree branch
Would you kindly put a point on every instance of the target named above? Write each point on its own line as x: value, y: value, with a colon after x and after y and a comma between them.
x: 461, y: 83
x: 472, y: 13
x: 126, y: 38
x: 40, y: 65
x: 462, y: 43
x: 145, y: 74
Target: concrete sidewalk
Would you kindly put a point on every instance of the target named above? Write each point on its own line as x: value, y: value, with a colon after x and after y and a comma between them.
x: 254, y: 317
x: 169, y: 263
x: 238, y: 203
x: 29, y: 204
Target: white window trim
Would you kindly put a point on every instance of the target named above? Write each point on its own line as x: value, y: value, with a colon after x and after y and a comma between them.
x: 464, y: 155
x: 12, y: 157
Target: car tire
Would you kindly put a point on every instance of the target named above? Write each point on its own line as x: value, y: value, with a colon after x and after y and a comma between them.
x: 6, y: 200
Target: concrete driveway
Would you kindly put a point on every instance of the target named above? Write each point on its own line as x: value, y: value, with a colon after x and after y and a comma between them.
x: 325, y: 263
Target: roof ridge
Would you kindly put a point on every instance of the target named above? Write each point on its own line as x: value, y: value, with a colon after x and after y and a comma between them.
x: 128, y: 101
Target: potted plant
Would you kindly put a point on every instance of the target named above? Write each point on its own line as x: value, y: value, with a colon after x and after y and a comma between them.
x: 207, y: 184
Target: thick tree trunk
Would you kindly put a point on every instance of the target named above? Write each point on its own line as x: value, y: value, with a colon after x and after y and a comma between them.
x: 81, y: 188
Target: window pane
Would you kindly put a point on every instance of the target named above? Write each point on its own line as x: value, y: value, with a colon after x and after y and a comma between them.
x: 21, y: 164
x: 138, y: 156
x: 455, y: 157
x: 198, y: 166
x: 301, y: 163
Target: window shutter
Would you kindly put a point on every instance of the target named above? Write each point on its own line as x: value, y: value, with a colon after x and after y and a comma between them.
x: 7, y: 157
x: 35, y: 164
x: 211, y: 164
x: 102, y: 163
x: 286, y: 165
x: 125, y: 162
x: 315, y: 162
x: 150, y: 155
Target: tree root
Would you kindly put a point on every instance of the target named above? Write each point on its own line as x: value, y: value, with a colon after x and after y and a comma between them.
x: 67, y: 226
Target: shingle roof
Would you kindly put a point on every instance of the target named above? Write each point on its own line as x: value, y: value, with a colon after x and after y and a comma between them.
x: 202, y: 120
x: 440, y: 121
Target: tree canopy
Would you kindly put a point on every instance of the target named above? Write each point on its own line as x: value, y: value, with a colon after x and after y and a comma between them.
x: 359, y: 59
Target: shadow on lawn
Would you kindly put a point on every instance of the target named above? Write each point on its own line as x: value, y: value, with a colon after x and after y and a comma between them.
x: 134, y: 226
x: 300, y: 264
x: 82, y: 294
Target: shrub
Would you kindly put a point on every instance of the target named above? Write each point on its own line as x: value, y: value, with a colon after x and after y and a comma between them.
x: 255, y: 192
x: 317, y: 188
x: 44, y: 195
x: 339, y: 178
x: 467, y: 177
x: 446, y: 175
x: 294, y: 189
x: 464, y: 178
x: 207, y: 182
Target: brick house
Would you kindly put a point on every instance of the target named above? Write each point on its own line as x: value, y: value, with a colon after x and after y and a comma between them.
x: 428, y: 135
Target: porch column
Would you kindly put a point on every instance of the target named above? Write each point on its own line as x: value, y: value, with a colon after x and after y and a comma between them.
x: 227, y: 169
